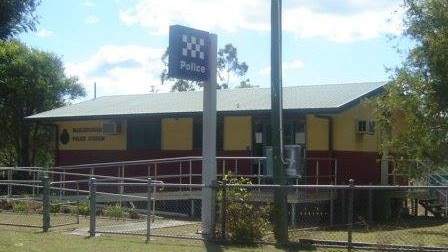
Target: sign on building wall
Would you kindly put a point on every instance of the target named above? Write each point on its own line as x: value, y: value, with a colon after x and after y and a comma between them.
x: 188, y: 53
x: 92, y: 135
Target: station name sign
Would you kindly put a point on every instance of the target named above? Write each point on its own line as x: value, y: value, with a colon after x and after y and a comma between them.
x: 188, y: 53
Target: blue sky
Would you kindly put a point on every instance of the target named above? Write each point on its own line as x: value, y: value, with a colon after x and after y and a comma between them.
x: 118, y: 43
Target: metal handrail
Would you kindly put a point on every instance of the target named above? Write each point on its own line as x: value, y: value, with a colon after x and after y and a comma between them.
x: 152, y: 165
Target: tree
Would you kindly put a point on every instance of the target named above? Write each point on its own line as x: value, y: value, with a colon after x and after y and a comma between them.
x: 418, y: 92
x: 31, y: 81
x: 17, y: 16
x: 245, y: 84
x: 227, y: 65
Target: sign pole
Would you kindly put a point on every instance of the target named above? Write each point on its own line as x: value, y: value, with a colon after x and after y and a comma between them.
x: 280, y: 196
x: 209, y: 142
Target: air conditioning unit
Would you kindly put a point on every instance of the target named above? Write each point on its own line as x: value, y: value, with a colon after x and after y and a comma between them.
x: 365, y: 127
x: 111, y: 128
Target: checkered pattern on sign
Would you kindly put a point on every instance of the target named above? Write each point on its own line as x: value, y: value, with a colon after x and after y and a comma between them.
x: 193, y: 46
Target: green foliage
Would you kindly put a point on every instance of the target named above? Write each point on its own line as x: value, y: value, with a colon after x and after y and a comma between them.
x: 246, y: 84
x: 245, y: 221
x: 227, y: 64
x: 31, y: 81
x: 417, y: 97
x: 20, y: 206
x: 83, y: 209
x: 55, y: 208
x: 115, y: 211
x: 17, y: 16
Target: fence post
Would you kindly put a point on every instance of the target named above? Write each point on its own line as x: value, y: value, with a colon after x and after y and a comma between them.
x: 9, y: 184
x: 77, y: 201
x: 223, y: 209
x: 343, y: 205
x: 370, y: 210
x: 446, y: 202
x: 45, y: 203
x: 92, y: 189
x: 331, y: 207
x: 148, y: 211
x: 350, y: 215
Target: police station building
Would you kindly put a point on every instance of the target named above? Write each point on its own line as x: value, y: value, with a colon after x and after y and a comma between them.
x: 330, y: 122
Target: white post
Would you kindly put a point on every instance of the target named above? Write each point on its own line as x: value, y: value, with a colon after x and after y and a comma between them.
x: 209, y: 142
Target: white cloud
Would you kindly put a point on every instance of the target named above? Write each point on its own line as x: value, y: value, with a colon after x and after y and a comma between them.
x: 295, y: 64
x: 118, y: 70
x: 292, y: 65
x: 227, y: 15
x: 341, y: 21
x: 365, y: 24
x: 92, y: 20
x: 44, y: 33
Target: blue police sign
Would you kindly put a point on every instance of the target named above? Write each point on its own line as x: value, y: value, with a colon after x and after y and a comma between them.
x: 188, y: 53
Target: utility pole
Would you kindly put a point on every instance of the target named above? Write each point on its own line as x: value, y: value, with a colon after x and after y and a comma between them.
x: 280, y: 194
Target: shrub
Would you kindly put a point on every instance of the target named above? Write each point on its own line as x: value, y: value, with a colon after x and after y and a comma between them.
x: 133, y: 213
x: 20, y: 206
x: 55, y: 208
x: 245, y: 221
x: 115, y: 211
x: 66, y: 209
x: 5, y: 204
x: 83, y: 209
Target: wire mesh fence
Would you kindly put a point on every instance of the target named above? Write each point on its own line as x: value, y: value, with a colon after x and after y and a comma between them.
x: 146, y: 209
x: 386, y: 217
x: 121, y: 208
x: 20, y: 198
x: 176, y: 210
x: 353, y: 217
x: 64, y: 208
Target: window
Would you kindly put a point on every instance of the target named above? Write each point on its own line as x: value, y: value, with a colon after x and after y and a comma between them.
x: 197, y: 135
x: 220, y: 133
x: 294, y: 132
x: 144, y: 135
x: 365, y: 126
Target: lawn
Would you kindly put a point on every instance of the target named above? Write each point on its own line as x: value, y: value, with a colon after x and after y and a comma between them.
x: 420, y: 231
x: 20, y: 239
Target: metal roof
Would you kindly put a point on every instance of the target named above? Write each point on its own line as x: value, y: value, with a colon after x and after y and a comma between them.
x: 308, y: 99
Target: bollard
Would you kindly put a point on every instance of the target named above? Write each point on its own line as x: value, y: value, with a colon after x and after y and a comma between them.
x: 350, y: 216
x: 46, y: 204
x: 92, y: 190
x: 148, y: 211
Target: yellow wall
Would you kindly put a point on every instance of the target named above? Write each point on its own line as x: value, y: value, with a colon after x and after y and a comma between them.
x: 237, y: 132
x: 177, y: 134
x: 345, y: 136
x: 316, y: 133
x: 88, y: 135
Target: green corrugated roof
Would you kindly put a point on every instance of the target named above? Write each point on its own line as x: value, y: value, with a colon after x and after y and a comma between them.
x: 318, y: 98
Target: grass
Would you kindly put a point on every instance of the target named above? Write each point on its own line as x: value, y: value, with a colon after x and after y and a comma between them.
x: 420, y: 231
x: 17, y: 240
x: 416, y: 231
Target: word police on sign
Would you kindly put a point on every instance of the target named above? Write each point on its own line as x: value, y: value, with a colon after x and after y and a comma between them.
x: 188, y: 53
